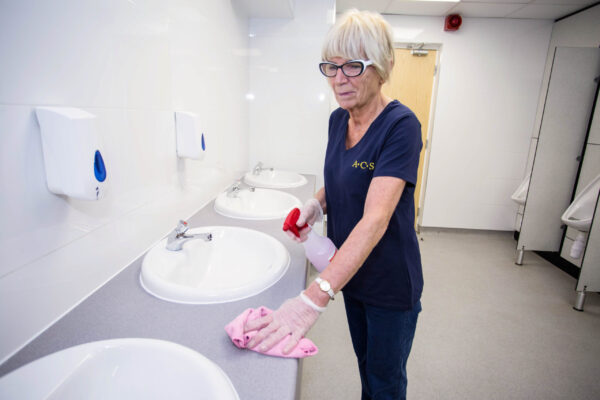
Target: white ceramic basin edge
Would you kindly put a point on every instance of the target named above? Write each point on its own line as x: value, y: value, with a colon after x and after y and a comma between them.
x: 132, y: 368
x: 259, y: 204
x: 276, y: 179
x: 236, y: 264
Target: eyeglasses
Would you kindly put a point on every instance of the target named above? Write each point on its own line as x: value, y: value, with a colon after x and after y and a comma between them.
x: 350, y: 68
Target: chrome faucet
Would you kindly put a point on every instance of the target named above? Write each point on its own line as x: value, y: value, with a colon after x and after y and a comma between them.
x: 258, y: 168
x: 236, y: 187
x: 177, y: 238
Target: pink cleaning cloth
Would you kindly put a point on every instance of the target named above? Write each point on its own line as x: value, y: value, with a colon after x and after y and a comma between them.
x: 235, y: 330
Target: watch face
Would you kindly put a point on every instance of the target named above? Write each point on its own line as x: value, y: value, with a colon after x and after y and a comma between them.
x: 325, y: 286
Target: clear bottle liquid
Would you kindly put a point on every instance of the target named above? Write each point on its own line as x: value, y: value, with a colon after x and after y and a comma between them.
x: 319, y: 250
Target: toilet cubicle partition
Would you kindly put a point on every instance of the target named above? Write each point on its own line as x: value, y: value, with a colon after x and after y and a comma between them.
x: 588, y: 174
x: 563, y: 130
x: 589, y: 275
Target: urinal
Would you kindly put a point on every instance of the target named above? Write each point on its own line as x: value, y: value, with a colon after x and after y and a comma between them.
x: 580, y: 213
x: 520, y: 194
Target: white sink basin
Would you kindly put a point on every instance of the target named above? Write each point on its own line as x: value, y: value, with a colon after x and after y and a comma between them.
x: 275, y: 179
x: 259, y: 204
x: 237, y: 263
x: 120, y: 369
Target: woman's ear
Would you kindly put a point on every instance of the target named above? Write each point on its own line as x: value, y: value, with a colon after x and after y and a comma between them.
x: 391, y: 69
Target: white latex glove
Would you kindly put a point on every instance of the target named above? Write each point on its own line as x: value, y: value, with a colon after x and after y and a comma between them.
x: 310, y: 213
x: 294, y: 317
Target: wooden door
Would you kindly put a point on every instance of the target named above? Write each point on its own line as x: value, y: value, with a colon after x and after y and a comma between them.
x: 411, y: 83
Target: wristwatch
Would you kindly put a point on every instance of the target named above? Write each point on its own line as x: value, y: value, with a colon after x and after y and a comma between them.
x: 325, y: 286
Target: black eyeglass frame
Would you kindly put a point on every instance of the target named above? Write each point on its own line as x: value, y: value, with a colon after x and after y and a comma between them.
x: 363, y: 63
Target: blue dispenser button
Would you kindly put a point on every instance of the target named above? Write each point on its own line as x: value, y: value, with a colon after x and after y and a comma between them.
x: 99, y: 168
x: 203, y: 145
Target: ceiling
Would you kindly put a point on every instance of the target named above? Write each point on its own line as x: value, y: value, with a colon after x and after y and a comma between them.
x: 532, y: 9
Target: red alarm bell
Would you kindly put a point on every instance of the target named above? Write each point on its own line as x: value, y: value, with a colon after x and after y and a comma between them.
x: 452, y: 22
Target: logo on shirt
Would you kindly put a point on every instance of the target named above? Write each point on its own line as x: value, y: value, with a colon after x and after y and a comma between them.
x: 364, y: 165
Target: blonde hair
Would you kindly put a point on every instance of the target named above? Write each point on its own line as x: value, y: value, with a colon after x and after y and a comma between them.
x: 361, y: 35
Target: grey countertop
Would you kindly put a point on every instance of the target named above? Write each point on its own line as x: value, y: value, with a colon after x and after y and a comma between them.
x: 122, y: 309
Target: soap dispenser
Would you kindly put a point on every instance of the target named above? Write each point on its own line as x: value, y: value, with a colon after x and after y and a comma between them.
x: 72, y: 152
x: 190, y: 138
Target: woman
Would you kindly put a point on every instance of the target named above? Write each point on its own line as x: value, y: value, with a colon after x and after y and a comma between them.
x: 370, y: 175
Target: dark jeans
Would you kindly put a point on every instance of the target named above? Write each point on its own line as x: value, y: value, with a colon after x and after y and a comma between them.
x: 382, y: 339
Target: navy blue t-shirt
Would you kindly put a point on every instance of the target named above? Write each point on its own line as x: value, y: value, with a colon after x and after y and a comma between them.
x: 391, y: 275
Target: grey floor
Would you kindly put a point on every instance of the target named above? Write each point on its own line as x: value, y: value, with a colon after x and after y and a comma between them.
x: 489, y: 329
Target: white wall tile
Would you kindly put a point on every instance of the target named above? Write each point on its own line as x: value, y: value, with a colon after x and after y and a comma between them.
x: 290, y: 110
x: 490, y: 76
x: 107, y: 54
x: 130, y: 63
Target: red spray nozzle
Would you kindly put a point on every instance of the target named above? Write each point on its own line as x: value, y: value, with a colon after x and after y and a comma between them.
x: 290, y: 222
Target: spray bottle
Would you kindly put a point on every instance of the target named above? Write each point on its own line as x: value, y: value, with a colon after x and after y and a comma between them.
x: 319, y: 250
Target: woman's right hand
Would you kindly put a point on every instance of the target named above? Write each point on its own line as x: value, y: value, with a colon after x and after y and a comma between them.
x: 310, y: 213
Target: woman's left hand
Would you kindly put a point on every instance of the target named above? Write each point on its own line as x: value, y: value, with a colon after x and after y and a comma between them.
x: 294, y: 317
